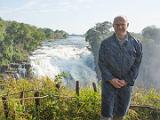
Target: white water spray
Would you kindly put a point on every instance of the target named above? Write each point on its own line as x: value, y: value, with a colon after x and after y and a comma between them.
x: 67, y: 55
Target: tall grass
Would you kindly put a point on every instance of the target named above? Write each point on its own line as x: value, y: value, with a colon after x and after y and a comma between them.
x: 64, y: 104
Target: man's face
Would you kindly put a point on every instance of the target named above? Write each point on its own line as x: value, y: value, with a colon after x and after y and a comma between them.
x: 120, y: 27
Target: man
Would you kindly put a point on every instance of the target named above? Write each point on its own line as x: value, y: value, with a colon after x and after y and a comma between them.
x: 119, y: 60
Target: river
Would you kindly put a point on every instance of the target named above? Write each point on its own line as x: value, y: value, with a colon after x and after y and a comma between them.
x: 68, y: 55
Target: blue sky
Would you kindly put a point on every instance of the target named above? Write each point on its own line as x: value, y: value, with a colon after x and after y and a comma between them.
x: 77, y: 16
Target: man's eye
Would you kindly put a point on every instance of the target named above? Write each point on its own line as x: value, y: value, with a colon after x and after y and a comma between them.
x: 120, y: 24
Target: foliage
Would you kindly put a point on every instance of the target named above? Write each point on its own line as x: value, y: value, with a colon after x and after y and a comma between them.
x: 64, y: 104
x: 98, y: 33
x: 57, y: 34
x: 17, y: 40
x: 151, y: 32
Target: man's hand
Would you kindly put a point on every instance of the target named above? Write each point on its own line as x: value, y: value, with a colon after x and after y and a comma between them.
x: 118, y: 83
x: 123, y: 82
x: 115, y: 82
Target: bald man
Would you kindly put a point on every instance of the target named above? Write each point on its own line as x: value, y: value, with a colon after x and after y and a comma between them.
x: 119, y: 60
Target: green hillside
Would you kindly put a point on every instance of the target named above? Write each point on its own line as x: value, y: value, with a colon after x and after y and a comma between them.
x: 18, y: 40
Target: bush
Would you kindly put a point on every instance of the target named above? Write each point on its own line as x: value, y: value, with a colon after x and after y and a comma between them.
x: 64, y: 104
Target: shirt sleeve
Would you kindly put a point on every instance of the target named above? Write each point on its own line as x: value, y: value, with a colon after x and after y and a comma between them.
x: 133, y: 73
x: 103, y: 64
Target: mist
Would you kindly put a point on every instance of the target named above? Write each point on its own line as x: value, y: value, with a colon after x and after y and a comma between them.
x: 149, y: 75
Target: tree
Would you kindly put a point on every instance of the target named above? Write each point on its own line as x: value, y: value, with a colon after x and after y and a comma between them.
x: 151, y: 32
x: 48, y: 33
x: 95, y: 36
x: 2, y: 30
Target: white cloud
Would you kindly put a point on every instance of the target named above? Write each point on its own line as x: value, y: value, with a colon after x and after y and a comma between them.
x: 41, y: 6
x: 79, y: 14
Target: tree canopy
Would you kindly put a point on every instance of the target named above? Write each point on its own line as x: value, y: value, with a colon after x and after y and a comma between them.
x: 17, y: 40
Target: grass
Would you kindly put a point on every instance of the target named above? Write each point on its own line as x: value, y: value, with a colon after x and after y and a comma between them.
x: 68, y: 106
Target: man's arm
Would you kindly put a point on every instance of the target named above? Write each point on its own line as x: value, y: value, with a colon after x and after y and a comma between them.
x: 133, y: 73
x: 102, y: 62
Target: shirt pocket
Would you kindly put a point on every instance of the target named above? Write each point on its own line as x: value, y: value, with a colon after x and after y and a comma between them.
x: 132, y: 54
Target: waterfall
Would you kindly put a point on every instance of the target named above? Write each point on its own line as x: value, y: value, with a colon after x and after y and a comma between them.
x: 66, y: 55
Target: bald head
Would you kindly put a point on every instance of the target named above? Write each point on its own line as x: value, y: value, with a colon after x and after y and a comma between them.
x: 120, y: 25
x: 120, y: 18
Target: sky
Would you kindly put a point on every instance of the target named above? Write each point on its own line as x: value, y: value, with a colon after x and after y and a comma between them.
x: 77, y: 16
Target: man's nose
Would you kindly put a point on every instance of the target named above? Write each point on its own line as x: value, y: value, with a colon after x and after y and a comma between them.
x: 120, y: 26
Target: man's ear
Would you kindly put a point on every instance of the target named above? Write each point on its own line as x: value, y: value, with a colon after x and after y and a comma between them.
x: 127, y: 24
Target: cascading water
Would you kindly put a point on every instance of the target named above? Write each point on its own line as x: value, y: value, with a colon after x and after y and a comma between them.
x: 66, y: 55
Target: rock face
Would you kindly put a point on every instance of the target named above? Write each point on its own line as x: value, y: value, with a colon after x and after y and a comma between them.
x: 95, y: 36
x: 13, y: 69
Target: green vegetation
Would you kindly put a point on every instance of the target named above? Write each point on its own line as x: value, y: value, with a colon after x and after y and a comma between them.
x: 64, y: 104
x: 17, y: 40
x: 57, y: 34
